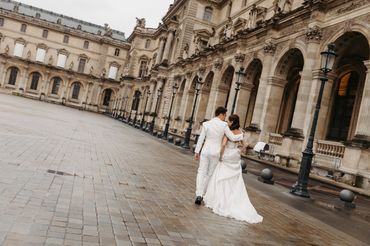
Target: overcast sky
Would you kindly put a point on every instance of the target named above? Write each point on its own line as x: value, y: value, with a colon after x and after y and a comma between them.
x: 119, y: 14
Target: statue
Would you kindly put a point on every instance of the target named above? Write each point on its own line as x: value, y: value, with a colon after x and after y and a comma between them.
x: 103, y: 73
x: 140, y: 22
x: 91, y: 70
x: 28, y: 55
x: 71, y: 65
x: 108, y: 31
x: 185, y: 53
x: 287, y: 6
x: 211, y: 40
x: 228, y: 32
x: 51, y: 60
x: 16, y: 7
x: 251, y: 24
x: 6, y: 49
x: 277, y: 9
x: 198, y: 45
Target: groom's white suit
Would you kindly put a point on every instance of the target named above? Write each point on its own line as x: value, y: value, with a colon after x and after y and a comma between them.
x: 212, y: 133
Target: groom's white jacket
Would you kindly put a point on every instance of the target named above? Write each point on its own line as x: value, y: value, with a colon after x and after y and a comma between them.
x: 211, y: 135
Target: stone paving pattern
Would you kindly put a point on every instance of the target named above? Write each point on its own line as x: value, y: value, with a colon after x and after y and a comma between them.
x: 70, y: 177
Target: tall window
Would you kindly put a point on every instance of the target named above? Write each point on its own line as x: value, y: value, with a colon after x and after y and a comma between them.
x: 86, y: 44
x: 76, y: 90
x: 143, y: 68
x: 56, y: 85
x: 147, y: 43
x: 23, y: 28
x: 61, y: 60
x: 208, y: 12
x: 45, y: 33
x: 81, y: 65
x: 113, y: 72
x: 18, y: 49
x: 66, y: 39
x: 35, y: 81
x: 107, y: 97
x: 13, y: 76
x: 40, y: 54
x: 116, y: 52
x: 1, y: 21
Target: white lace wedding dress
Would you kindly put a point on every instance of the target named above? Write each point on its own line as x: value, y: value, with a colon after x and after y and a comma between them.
x: 226, y: 194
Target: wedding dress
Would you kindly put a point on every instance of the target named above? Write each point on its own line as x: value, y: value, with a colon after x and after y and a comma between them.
x: 226, y: 194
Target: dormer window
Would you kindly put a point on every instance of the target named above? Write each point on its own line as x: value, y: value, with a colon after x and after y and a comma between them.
x: 38, y: 15
x: 59, y: 21
x: 45, y: 33
x: 66, y: 39
x: 116, y: 52
x: 208, y: 12
x: 23, y: 28
x: 147, y: 43
x: 86, y: 44
x: 79, y: 27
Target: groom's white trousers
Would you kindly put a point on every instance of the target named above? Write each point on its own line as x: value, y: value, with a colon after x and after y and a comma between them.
x: 207, y: 165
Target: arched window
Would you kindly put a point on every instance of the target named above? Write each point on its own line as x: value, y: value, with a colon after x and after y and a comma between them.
x: 13, y: 75
x: 66, y: 39
x: 136, y: 101
x: 76, y: 90
x: 86, y: 44
x: 143, y: 68
x: 147, y: 43
x: 208, y: 12
x: 45, y: 33
x: 35, y: 77
x: 81, y: 65
x: 1, y: 21
x: 56, y: 85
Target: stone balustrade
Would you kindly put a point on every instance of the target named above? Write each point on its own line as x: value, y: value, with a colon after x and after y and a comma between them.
x: 328, y: 148
x: 276, y: 139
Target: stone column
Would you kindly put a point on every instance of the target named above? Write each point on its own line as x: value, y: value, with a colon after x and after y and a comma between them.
x: 3, y: 73
x: 97, y: 95
x: 243, y: 102
x: 313, y: 38
x: 160, y: 50
x: 155, y: 96
x: 239, y: 59
x: 45, y: 85
x: 167, y: 48
x: 187, y: 99
x: 212, y: 100
x: 362, y: 132
x: 151, y: 98
x: 23, y: 81
x: 269, y: 51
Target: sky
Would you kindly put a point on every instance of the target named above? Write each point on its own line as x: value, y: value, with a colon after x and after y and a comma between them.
x: 119, y: 14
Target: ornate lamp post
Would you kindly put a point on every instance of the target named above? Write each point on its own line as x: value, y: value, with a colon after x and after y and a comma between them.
x: 198, y: 87
x: 159, y: 93
x: 237, y: 88
x: 146, y: 103
x: 300, y: 188
x: 174, y: 91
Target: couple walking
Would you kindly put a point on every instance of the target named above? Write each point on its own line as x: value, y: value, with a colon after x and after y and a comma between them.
x: 219, y: 177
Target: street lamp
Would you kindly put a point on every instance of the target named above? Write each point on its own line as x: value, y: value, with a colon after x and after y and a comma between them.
x: 159, y: 93
x: 146, y: 103
x: 165, y: 134
x: 237, y: 88
x: 198, y: 87
x: 300, y: 188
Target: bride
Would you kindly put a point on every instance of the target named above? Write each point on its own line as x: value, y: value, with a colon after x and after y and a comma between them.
x: 226, y: 194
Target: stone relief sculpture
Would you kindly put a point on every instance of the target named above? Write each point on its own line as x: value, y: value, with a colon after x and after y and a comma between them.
x: 198, y: 45
x: 6, y: 49
x: 91, y: 70
x: 212, y: 39
x: 71, y: 65
x: 252, y: 21
x: 282, y: 6
x: 51, y: 60
x: 103, y: 73
x: 229, y: 32
x: 140, y: 22
x: 28, y: 55
x: 287, y: 6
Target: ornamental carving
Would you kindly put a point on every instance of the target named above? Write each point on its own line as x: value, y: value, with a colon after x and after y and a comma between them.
x: 218, y: 63
x: 239, y: 57
x: 270, y: 48
x: 314, y: 34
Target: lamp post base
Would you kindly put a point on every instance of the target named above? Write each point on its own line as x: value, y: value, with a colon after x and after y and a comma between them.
x: 298, y: 191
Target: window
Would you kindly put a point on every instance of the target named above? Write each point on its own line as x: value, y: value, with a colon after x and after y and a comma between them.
x: 1, y: 21
x: 143, y: 68
x: 40, y: 54
x: 56, y: 85
x: 113, y: 72
x: 18, y: 49
x: 208, y: 12
x: 45, y: 33
x: 76, y: 90
x: 35, y: 81
x: 107, y: 97
x: 81, y: 65
x: 79, y: 27
x: 38, y: 15
x: 23, y: 28
x: 147, y: 44
x: 13, y: 76
x: 66, y: 39
x: 61, y: 60
x: 86, y: 44
x: 116, y: 52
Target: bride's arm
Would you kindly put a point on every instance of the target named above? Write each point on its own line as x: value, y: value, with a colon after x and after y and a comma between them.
x: 224, y: 141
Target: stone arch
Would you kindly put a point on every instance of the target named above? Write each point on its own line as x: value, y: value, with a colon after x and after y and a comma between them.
x: 34, y: 79
x: 76, y: 89
x: 12, y: 75
x: 225, y: 85
x: 56, y: 82
x: 287, y: 74
x: 348, y: 88
x: 106, y: 96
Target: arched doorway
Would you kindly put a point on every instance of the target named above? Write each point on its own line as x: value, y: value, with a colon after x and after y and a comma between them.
x: 204, y: 98
x: 34, y: 80
x: 76, y: 88
x: 352, y: 49
x: 107, y: 96
x: 225, y: 86
x: 253, y: 75
x: 289, y: 69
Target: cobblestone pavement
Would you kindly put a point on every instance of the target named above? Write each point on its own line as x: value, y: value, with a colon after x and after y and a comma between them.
x: 70, y: 177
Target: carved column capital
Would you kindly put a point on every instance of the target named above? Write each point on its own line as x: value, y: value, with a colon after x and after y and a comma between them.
x: 314, y: 34
x: 239, y: 57
x: 218, y: 63
x: 270, y: 48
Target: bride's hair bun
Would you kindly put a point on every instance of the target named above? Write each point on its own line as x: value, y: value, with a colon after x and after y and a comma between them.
x: 234, y: 118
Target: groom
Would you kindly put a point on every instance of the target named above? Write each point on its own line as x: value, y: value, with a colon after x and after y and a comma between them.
x: 212, y: 133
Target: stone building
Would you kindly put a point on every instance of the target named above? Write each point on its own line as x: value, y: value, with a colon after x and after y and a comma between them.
x: 276, y: 42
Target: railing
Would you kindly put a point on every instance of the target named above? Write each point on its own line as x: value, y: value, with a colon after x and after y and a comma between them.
x: 276, y: 139
x: 333, y: 149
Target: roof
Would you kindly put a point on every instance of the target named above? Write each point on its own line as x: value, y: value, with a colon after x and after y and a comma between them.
x: 50, y: 16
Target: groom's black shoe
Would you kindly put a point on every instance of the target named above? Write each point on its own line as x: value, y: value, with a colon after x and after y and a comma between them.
x: 198, y: 200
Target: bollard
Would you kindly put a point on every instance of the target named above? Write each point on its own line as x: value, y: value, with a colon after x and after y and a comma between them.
x: 154, y: 133
x: 266, y: 176
x: 243, y: 165
x: 347, y: 197
x: 159, y: 134
x: 170, y: 139
x: 177, y: 141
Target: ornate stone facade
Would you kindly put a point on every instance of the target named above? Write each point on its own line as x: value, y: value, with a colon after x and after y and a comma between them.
x: 277, y: 42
